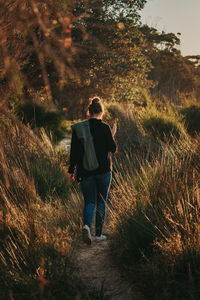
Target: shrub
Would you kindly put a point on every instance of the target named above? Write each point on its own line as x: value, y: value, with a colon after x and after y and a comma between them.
x: 160, y: 128
x: 162, y: 125
x: 191, y: 117
x: 38, y: 116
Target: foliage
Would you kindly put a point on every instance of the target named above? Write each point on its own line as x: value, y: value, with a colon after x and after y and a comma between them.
x: 162, y: 125
x: 73, y: 50
x: 42, y: 44
x: 38, y: 116
x: 173, y: 72
x: 122, y: 70
x: 112, y: 65
x: 110, y: 9
x: 32, y: 38
x: 160, y: 128
x: 191, y: 116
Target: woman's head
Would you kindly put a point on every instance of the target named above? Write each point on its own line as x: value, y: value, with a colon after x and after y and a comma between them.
x: 96, y: 107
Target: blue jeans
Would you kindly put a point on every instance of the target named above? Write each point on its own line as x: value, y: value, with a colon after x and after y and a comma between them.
x: 95, y: 192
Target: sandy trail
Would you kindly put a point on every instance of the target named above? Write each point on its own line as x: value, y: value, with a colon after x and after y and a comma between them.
x: 95, y: 266
x: 98, y: 272
x: 65, y: 143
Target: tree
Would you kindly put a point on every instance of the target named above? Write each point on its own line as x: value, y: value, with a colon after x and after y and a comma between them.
x: 174, y: 73
x: 31, y: 31
x: 36, y: 44
x: 111, y: 62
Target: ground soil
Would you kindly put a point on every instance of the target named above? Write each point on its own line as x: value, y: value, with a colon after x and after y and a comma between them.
x: 97, y: 270
x: 96, y: 267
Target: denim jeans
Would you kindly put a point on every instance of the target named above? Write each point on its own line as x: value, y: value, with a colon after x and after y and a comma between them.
x: 95, y: 192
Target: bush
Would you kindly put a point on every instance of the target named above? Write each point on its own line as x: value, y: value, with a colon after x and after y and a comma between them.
x: 161, y: 129
x: 38, y: 116
x: 162, y: 125
x: 191, y: 117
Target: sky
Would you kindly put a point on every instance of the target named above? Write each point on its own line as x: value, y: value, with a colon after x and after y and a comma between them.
x: 176, y: 16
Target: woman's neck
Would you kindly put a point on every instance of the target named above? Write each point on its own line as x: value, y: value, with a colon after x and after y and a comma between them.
x: 96, y: 116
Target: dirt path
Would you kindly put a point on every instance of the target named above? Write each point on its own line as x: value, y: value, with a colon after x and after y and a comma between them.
x: 65, y: 143
x: 98, y: 272
x: 96, y: 268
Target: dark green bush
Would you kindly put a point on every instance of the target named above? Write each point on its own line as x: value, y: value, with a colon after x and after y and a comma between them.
x: 161, y: 129
x: 191, y: 116
x: 38, y: 116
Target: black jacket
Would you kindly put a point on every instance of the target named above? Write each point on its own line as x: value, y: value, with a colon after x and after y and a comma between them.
x: 103, y: 143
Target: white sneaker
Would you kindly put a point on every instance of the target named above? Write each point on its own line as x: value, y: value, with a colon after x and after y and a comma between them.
x: 87, y: 238
x: 101, y: 238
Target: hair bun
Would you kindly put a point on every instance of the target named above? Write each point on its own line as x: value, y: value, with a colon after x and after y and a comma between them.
x: 95, y: 100
x: 95, y: 106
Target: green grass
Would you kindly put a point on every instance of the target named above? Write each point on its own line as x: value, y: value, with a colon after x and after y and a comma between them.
x: 162, y: 125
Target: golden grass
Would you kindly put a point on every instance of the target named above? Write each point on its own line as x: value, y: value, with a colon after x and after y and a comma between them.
x: 155, y: 219
x: 37, y: 236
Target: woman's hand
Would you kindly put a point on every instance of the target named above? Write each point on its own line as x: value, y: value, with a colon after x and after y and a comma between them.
x: 114, y: 129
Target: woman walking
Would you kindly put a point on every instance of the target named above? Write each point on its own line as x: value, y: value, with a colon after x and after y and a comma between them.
x: 91, y: 145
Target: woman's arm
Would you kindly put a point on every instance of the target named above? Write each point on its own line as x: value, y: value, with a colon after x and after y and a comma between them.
x: 114, y: 129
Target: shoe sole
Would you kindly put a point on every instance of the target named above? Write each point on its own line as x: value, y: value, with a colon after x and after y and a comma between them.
x: 86, y: 238
x: 99, y: 241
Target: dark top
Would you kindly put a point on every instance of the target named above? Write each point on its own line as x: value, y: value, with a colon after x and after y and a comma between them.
x: 103, y: 144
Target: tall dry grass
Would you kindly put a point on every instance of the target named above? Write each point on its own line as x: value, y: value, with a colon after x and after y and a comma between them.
x: 155, y: 202
x: 155, y: 222
x: 39, y: 231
